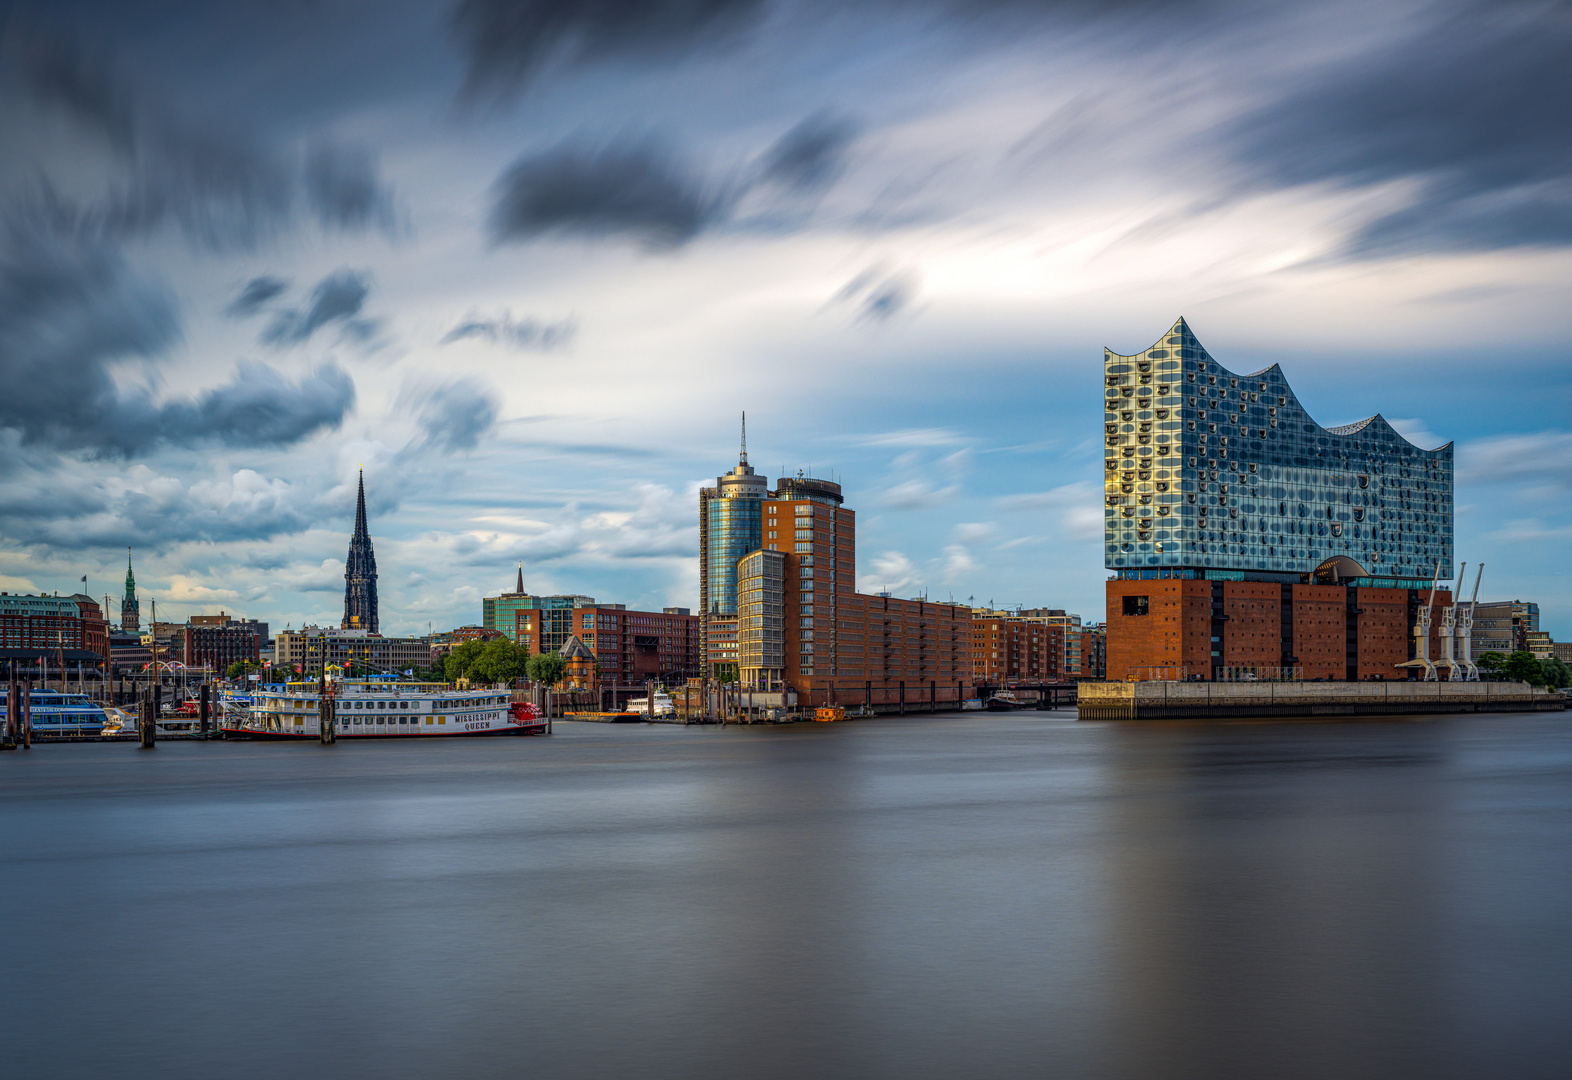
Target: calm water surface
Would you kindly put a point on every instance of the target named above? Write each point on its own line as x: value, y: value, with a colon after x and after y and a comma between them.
x: 935, y: 897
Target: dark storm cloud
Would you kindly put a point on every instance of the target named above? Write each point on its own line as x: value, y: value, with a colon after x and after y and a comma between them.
x: 69, y: 311
x: 811, y: 155
x: 337, y: 298
x: 221, y: 187
x: 637, y: 191
x: 1475, y: 110
x: 519, y: 334
x: 508, y: 42
x: 455, y: 415
x: 255, y: 295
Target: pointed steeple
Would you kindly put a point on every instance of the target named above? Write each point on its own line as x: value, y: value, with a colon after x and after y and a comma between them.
x: 360, y: 507
x: 130, y: 577
x: 360, y: 571
x: 520, y: 589
x: 130, y: 608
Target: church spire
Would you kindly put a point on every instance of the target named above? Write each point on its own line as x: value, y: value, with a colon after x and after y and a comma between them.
x: 520, y: 589
x: 130, y: 609
x: 360, y: 571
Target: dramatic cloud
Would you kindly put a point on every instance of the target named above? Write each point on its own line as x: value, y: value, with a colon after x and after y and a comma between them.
x: 636, y: 191
x: 519, y: 334
x: 221, y: 189
x: 1474, y: 111
x: 454, y: 416
x: 68, y: 312
x: 256, y: 294
x: 811, y: 155
x: 1544, y: 457
x: 337, y: 298
x: 509, y: 41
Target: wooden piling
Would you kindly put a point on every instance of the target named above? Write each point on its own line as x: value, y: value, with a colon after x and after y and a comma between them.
x: 147, y: 719
x: 202, y: 709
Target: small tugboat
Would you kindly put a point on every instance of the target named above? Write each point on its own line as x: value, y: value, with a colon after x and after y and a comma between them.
x: 1005, y: 701
x: 373, y: 709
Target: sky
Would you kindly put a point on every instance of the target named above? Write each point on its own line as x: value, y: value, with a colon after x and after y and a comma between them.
x: 528, y: 263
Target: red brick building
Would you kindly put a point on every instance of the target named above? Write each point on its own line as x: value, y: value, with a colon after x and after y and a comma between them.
x: 629, y: 647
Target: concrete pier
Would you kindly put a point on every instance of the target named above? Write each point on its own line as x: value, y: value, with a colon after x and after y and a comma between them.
x: 1286, y: 700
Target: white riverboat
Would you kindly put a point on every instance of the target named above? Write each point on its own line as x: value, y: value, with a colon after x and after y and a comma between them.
x: 373, y: 709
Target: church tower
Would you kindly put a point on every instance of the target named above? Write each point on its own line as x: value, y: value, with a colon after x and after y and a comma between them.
x: 130, y: 609
x: 360, y: 573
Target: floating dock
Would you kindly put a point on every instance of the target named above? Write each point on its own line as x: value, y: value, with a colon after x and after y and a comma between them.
x: 1302, y: 700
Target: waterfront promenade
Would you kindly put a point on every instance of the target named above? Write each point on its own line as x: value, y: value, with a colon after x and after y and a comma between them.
x: 979, y: 896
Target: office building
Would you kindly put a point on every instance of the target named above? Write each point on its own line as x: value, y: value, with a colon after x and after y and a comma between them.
x: 1243, y: 536
x: 730, y: 525
x: 1504, y: 625
x: 777, y: 574
x: 500, y: 613
x: 628, y: 647
x: 1094, y: 652
x: 53, y: 629
x: 360, y: 572
x: 305, y: 651
x: 213, y: 642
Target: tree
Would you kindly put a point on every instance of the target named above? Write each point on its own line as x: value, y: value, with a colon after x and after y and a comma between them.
x: 241, y: 668
x: 1523, y: 666
x: 1556, y: 673
x: 547, y: 668
x: 1491, y: 663
x: 461, y: 659
x: 499, y: 661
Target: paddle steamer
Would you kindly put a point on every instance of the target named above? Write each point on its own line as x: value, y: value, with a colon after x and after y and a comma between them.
x: 372, y: 709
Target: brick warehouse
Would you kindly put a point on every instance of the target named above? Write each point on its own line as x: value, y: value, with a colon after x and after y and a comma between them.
x: 1244, y: 537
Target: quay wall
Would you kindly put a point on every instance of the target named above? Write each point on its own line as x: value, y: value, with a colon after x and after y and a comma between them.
x: 1206, y: 700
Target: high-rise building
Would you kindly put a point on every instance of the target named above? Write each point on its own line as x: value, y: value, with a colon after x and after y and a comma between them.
x: 1243, y: 535
x: 730, y: 523
x: 778, y: 573
x: 130, y: 607
x: 360, y: 572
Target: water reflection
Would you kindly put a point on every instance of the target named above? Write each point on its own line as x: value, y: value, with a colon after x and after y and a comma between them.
x: 971, y: 896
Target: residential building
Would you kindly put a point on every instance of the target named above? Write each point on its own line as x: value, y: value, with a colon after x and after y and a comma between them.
x: 1094, y: 652
x: 1010, y: 649
x: 304, y: 651
x: 761, y: 621
x: 360, y: 572
x: 53, y: 629
x: 1562, y: 650
x: 629, y: 647
x: 1244, y: 536
x: 1538, y: 642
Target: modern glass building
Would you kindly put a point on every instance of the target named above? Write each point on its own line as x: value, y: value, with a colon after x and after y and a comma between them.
x: 1224, y: 476
x: 731, y: 524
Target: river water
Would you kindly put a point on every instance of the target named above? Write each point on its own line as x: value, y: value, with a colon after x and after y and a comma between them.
x: 973, y: 896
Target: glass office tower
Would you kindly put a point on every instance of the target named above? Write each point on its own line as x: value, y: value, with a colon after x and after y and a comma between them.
x: 731, y: 524
x: 1213, y: 474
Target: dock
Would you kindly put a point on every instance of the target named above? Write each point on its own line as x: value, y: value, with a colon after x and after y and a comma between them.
x: 1294, y: 700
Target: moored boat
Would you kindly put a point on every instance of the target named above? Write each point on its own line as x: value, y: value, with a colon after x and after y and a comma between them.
x: 1006, y: 701
x: 380, y: 710
x: 56, y: 714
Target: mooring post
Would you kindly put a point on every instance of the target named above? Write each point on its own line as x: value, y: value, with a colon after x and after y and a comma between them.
x: 202, y: 709
x: 327, y: 719
x: 147, y: 719
x: 27, y: 715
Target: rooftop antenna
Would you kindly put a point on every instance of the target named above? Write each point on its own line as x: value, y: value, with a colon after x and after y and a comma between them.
x: 742, y: 459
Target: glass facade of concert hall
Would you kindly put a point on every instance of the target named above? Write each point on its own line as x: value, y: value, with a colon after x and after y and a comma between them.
x: 1218, y: 475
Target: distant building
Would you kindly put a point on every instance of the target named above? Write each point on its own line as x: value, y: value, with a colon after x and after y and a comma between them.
x: 500, y: 613
x: 130, y: 607
x: 443, y: 643
x: 1503, y: 626
x: 360, y: 572
x: 731, y: 521
x: 217, y: 641
x: 304, y: 651
x: 1562, y: 650
x: 1094, y: 652
x: 1538, y: 642
x: 629, y: 647
x: 39, y: 632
